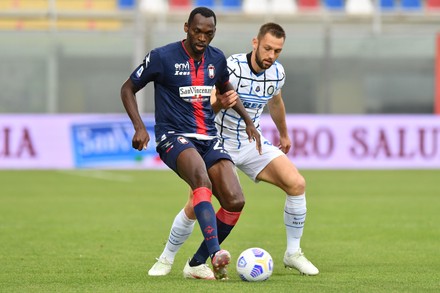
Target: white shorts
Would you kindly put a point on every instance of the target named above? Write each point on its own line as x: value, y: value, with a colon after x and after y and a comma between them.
x: 247, y: 159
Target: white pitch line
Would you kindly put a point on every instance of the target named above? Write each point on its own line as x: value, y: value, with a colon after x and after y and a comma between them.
x: 99, y: 174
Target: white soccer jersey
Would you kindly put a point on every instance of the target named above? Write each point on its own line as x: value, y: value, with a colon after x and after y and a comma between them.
x: 255, y: 90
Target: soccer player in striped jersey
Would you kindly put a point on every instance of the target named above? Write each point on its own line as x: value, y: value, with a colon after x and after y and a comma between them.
x: 258, y: 78
x: 184, y: 74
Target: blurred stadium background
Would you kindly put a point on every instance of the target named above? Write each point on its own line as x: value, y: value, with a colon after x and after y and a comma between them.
x: 354, y: 56
x: 342, y: 57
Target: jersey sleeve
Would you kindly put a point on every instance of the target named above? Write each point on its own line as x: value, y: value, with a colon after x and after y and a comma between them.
x: 149, y: 70
x: 233, y: 68
x: 224, y: 74
x: 282, y: 76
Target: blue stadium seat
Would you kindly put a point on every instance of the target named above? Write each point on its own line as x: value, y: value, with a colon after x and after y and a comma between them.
x: 206, y: 3
x: 126, y: 4
x: 334, y: 4
x: 231, y: 4
x: 387, y: 5
x: 411, y: 4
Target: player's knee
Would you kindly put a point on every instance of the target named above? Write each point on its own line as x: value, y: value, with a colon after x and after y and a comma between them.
x: 297, y: 185
x: 234, y: 203
x: 201, y: 180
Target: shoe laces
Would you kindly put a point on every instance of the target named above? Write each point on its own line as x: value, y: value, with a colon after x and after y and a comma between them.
x: 163, y: 261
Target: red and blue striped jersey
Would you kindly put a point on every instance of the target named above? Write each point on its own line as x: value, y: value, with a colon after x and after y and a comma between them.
x: 182, y: 89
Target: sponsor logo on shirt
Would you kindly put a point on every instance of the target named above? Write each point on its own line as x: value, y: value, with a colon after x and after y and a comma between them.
x: 193, y: 94
x: 182, y: 68
x: 253, y: 105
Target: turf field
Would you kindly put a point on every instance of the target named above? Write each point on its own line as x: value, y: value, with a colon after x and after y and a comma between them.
x: 100, y: 231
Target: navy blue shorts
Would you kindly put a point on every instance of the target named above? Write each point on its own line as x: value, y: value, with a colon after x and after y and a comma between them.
x: 210, y: 150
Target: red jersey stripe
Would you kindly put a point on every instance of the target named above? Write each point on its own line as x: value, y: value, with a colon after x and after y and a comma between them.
x: 198, y: 78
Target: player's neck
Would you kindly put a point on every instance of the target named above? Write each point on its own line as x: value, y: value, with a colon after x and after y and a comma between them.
x: 253, y: 64
x: 191, y: 53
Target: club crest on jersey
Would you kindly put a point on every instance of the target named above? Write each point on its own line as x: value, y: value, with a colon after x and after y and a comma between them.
x: 182, y: 68
x: 182, y: 140
x: 271, y: 90
x: 211, y: 71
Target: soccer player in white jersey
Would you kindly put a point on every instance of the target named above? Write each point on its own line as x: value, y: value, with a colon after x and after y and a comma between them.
x: 258, y: 78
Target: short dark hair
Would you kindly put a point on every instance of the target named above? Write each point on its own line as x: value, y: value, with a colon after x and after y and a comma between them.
x: 272, y: 28
x: 206, y: 12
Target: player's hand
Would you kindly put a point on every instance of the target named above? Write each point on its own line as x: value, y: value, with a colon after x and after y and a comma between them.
x: 253, y: 134
x: 285, y: 144
x: 140, y: 139
x: 228, y: 99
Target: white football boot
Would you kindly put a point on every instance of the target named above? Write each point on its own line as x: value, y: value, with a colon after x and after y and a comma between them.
x: 198, y: 272
x: 162, y: 267
x: 299, y: 262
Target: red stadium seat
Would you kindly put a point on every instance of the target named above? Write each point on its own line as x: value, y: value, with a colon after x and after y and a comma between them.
x: 180, y: 4
x: 308, y: 4
x: 433, y: 4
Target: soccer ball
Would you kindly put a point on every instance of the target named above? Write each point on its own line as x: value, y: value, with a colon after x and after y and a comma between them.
x: 254, y: 264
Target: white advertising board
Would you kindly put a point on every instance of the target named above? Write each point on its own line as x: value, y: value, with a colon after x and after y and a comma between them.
x: 318, y: 142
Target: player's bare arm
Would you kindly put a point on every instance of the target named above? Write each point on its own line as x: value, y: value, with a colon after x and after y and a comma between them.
x: 128, y: 95
x: 223, y: 101
x: 278, y: 114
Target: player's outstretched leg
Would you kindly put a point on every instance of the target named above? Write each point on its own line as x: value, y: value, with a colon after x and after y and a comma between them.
x: 180, y: 231
x: 294, y: 218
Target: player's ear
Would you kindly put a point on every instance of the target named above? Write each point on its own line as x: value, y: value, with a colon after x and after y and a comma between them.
x: 185, y: 27
x: 254, y: 43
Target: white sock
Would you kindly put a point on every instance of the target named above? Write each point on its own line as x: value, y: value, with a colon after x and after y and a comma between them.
x: 294, y: 217
x: 180, y: 231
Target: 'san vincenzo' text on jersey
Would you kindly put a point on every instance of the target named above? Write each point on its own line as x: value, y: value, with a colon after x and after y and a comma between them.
x: 182, y: 89
x: 255, y: 90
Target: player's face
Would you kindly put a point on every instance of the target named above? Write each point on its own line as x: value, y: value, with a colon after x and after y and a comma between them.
x: 267, y: 50
x: 199, y: 34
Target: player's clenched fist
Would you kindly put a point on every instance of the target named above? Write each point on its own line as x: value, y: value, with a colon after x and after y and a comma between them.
x: 140, y: 139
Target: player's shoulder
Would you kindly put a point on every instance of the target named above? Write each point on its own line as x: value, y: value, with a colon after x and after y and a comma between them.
x: 164, y: 54
x: 235, y: 60
x: 278, y: 68
x: 239, y: 57
x: 278, y: 64
x: 215, y: 52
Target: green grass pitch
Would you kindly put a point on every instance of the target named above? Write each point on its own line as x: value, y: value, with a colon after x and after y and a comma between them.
x: 100, y: 231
